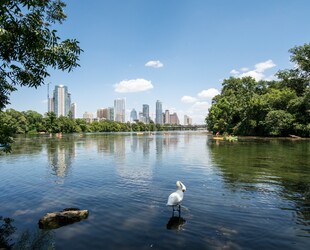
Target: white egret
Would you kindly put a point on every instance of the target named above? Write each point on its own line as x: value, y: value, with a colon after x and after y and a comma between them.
x: 175, y: 199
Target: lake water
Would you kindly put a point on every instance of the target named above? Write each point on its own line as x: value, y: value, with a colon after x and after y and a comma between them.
x: 249, y: 194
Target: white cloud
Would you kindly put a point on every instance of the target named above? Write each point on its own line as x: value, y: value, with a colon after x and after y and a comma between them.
x: 258, y: 72
x: 253, y: 73
x: 135, y: 85
x: 234, y: 72
x: 201, y: 106
x: 188, y: 99
x: 261, y: 67
x: 154, y: 64
x: 209, y: 93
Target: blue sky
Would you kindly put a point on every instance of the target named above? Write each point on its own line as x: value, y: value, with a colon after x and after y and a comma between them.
x: 175, y: 51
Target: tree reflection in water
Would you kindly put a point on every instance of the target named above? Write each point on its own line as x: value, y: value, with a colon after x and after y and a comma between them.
x: 40, y: 239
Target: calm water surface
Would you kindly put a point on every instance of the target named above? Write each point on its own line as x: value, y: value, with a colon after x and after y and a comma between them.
x: 250, y: 194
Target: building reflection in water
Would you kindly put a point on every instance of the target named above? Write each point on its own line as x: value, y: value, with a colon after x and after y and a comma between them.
x: 125, y: 150
x: 60, y: 156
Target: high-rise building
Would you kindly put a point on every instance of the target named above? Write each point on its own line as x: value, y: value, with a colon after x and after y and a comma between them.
x: 159, y: 113
x: 73, y: 110
x: 102, y: 114
x: 146, y: 113
x: 167, y: 117
x: 174, y: 119
x: 60, y: 103
x: 119, y: 110
x: 133, y: 115
x: 110, y: 114
x: 51, y: 104
x: 105, y: 114
x: 187, y: 120
x: 88, y: 116
x: 141, y: 117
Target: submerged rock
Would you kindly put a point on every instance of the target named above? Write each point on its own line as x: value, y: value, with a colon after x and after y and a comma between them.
x: 62, y: 218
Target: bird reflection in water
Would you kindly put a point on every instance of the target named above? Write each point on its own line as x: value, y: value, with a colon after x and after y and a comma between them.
x: 176, y: 223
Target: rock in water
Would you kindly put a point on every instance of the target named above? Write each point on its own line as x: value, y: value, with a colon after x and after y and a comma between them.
x: 62, y: 218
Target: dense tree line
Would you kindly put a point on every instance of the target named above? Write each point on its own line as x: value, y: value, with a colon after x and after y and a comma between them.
x: 31, y: 122
x: 266, y: 108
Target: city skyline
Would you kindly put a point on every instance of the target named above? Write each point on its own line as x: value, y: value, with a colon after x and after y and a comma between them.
x: 176, y: 51
x: 60, y: 104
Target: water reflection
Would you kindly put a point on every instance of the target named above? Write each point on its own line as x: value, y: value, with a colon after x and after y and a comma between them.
x: 60, y: 155
x: 259, y: 166
x: 40, y: 239
x: 31, y: 145
x: 252, y: 194
x: 176, y: 223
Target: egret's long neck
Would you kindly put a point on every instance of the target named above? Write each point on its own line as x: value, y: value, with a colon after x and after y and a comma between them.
x: 180, y: 192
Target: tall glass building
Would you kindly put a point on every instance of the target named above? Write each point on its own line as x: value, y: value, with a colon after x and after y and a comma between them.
x: 60, y: 103
x: 119, y: 110
x: 159, y: 113
x: 133, y: 115
x: 146, y: 113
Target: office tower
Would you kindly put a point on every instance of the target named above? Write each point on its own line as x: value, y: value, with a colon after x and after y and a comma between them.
x: 110, y: 114
x: 133, y: 115
x: 174, y: 119
x: 187, y: 120
x: 167, y: 117
x: 146, y: 113
x: 119, y: 110
x: 73, y: 110
x: 102, y: 114
x: 61, y: 101
x: 159, y: 113
x: 51, y: 105
x: 141, y: 117
x: 88, y: 116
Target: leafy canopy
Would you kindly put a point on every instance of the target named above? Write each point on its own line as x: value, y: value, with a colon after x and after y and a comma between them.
x: 266, y: 108
x: 29, y: 45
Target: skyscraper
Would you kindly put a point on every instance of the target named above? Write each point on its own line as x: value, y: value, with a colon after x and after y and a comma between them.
x: 159, y: 113
x: 174, y: 119
x: 102, y: 114
x: 88, y: 116
x: 167, y: 117
x: 110, y: 114
x: 73, y: 110
x: 60, y: 103
x: 119, y: 110
x: 146, y: 113
x: 133, y: 115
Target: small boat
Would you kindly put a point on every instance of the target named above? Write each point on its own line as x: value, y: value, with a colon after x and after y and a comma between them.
x: 218, y: 138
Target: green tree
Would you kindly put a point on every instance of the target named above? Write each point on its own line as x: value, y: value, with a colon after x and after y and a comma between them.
x: 34, y: 121
x: 66, y: 125
x: 279, y: 123
x: 276, y: 108
x: 29, y: 46
x: 50, y: 122
x: 299, y: 77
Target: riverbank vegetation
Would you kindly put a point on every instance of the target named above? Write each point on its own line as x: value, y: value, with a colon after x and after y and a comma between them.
x: 266, y: 108
x: 31, y: 122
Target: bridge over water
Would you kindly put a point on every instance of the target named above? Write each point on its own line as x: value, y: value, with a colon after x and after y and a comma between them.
x: 186, y: 127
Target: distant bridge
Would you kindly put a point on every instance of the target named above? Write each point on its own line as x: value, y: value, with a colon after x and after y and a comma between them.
x: 186, y: 127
